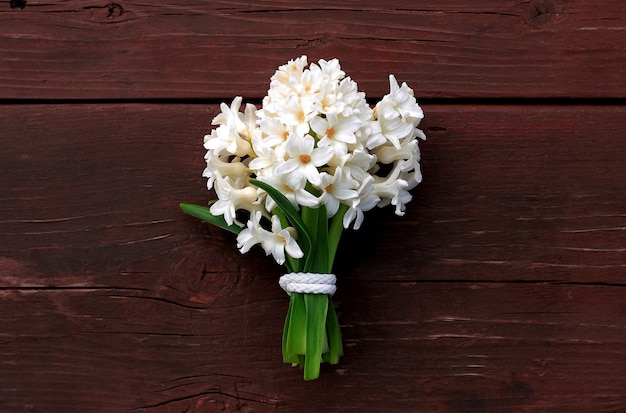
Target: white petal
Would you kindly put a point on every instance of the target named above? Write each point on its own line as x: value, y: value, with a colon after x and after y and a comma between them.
x: 312, y: 174
x: 307, y: 199
x: 319, y: 125
x: 321, y: 156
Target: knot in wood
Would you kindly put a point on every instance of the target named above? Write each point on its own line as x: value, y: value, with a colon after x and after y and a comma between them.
x: 114, y: 10
x: 17, y: 4
x: 539, y: 13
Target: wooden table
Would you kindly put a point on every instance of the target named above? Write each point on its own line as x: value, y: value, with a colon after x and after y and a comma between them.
x: 501, y: 290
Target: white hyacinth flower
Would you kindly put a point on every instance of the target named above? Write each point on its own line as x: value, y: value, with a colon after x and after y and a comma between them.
x: 336, y: 189
x: 336, y: 132
x: 397, y: 115
x: 298, y: 196
x: 316, y: 140
x: 280, y: 241
x: 233, y: 196
x: 277, y: 242
x: 252, y: 234
x: 364, y: 202
x: 304, y: 161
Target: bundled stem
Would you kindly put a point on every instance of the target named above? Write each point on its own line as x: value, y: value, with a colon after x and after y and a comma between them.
x: 311, y: 334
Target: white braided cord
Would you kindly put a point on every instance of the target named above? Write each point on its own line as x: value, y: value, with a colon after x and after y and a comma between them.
x: 308, y: 283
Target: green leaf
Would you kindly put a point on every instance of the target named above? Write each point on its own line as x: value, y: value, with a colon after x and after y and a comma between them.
x: 320, y: 256
x: 334, y: 334
x: 334, y: 233
x: 309, y: 217
x: 295, y: 330
x: 205, y: 214
x: 304, y: 236
x: 316, y: 220
x: 316, y: 309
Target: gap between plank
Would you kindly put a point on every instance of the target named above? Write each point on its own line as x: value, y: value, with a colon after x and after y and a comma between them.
x: 422, y: 101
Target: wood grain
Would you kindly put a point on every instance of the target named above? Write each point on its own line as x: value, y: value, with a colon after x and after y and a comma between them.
x: 502, y: 289
x: 219, y: 49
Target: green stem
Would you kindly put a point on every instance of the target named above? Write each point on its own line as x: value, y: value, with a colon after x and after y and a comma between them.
x: 294, y: 336
x: 311, y: 334
x: 310, y: 219
x: 334, y: 234
x: 335, y: 345
x: 204, y: 213
x: 316, y: 310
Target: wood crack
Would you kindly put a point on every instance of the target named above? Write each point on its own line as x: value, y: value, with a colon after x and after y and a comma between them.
x: 162, y: 300
x: 62, y: 288
x: 504, y: 282
x: 202, y: 394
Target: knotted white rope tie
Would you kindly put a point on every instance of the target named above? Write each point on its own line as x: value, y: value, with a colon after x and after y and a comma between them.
x: 309, y: 283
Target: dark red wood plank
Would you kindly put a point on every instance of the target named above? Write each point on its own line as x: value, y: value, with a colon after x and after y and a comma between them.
x: 218, y: 49
x: 510, y: 193
x: 452, y: 347
x: 501, y: 289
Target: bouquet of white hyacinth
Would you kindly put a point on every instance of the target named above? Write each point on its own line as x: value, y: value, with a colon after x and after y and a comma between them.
x: 293, y: 174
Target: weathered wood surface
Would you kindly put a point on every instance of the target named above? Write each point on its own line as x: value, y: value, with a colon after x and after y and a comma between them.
x: 502, y: 289
x: 216, y: 49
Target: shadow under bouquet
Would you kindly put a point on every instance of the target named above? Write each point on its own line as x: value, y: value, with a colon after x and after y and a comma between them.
x: 292, y: 175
